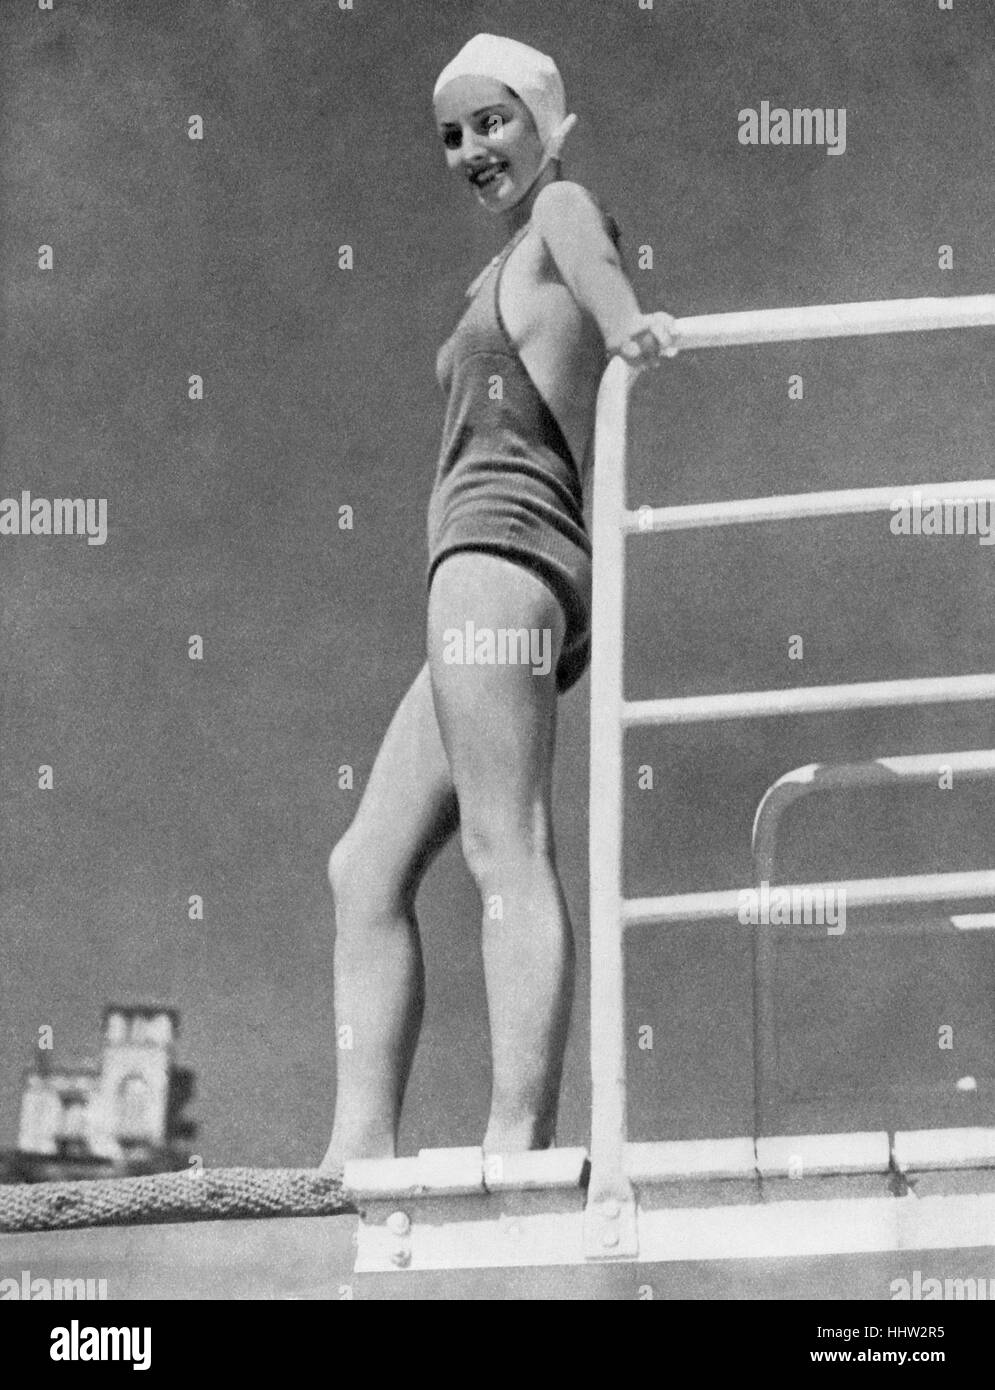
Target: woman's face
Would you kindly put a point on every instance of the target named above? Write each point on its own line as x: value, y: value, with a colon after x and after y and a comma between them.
x: 490, y: 137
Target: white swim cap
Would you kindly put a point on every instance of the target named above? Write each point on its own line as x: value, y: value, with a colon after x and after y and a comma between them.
x: 529, y: 73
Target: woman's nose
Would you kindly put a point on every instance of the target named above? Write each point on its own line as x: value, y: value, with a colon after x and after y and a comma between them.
x: 474, y: 145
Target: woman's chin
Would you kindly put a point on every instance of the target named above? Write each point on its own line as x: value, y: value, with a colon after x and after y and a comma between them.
x: 498, y: 199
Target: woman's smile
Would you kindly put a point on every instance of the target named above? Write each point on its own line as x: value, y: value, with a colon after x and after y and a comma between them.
x: 490, y: 180
x: 483, y: 177
x: 490, y: 138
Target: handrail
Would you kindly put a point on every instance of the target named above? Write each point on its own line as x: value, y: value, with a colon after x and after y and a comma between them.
x: 610, y: 1227
x: 803, y: 506
x: 809, y: 321
x: 974, y: 764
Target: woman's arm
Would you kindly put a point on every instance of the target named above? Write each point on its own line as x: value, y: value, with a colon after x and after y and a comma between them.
x: 571, y: 225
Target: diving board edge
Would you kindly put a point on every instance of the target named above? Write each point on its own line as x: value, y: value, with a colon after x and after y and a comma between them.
x: 457, y: 1209
x: 517, y: 1236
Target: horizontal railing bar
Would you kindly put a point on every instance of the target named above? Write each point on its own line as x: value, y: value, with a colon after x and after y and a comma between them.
x: 861, y: 923
x: 875, y: 772
x: 723, y: 904
x: 971, y: 764
x: 863, y: 501
x: 832, y: 321
x: 817, y: 699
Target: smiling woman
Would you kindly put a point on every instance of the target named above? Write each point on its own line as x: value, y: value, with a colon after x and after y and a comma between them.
x: 503, y: 118
x: 525, y: 102
x: 471, y: 744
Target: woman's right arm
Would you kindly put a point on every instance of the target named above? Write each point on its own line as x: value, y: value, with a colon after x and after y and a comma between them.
x: 572, y: 227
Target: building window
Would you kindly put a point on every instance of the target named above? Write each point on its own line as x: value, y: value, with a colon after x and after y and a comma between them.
x: 134, y: 1110
x: 71, y: 1133
x: 159, y: 1029
x: 117, y: 1028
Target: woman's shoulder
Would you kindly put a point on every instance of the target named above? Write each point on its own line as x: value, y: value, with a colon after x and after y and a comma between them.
x: 567, y: 192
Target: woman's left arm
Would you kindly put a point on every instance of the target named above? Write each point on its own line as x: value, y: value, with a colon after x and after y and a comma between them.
x: 571, y: 225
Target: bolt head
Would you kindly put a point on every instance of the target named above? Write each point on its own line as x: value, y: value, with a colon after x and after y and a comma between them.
x: 399, y: 1223
x: 609, y: 1239
x: 611, y: 1209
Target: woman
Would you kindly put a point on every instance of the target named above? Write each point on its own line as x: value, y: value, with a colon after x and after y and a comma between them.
x: 471, y: 744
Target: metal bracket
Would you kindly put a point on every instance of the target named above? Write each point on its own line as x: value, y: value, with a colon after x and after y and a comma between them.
x: 611, y: 1224
x: 462, y: 1208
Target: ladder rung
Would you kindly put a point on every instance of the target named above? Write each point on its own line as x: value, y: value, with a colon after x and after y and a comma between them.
x: 864, y: 892
x: 800, y: 506
x: 818, y: 699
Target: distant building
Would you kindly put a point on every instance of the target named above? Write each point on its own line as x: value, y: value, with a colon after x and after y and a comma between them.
x: 121, y: 1117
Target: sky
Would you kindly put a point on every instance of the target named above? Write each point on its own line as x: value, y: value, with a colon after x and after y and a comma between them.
x: 220, y: 258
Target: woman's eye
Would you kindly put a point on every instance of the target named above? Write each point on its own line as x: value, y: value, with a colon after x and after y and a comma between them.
x: 490, y: 124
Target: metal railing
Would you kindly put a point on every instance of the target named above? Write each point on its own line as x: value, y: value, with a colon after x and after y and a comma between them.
x: 972, y: 765
x: 610, y: 1227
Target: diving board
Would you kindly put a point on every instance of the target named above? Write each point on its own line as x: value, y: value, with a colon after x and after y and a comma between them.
x: 786, y: 1197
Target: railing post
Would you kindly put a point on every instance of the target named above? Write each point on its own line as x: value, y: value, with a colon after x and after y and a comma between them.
x: 610, y: 1219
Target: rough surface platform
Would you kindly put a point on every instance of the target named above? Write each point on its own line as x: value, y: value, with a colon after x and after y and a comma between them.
x: 207, y: 1195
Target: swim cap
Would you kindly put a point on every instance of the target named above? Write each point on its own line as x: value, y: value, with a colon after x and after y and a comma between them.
x: 530, y: 74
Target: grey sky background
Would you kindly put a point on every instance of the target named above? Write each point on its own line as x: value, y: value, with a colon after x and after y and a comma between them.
x: 219, y: 777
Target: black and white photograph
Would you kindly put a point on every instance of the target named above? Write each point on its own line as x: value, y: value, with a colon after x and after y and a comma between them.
x: 497, y: 663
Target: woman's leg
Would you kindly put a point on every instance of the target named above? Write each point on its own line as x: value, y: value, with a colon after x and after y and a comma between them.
x: 498, y: 725
x: 407, y: 813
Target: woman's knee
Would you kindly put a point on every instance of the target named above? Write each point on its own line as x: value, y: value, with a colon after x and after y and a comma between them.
x: 340, y: 863
x: 496, y: 846
x: 358, y: 888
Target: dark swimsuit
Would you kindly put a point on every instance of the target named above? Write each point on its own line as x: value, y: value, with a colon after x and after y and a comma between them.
x: 506, y: 482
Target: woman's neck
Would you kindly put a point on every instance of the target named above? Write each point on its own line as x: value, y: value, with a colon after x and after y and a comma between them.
x: 515, y: 218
